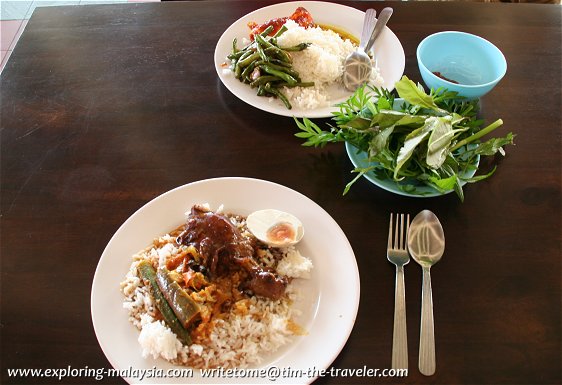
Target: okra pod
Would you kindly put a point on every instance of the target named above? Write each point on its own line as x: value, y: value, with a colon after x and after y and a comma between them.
x: 184, y: 307
x: 148, y: 273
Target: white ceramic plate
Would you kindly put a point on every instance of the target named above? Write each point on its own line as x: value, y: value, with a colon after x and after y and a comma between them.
x: 388, y: 52
x: 328, y: 309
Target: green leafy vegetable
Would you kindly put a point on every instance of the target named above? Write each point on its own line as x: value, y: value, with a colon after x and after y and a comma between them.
x: 413, y: 140
x: 416, y: 95
x: 432, y: 139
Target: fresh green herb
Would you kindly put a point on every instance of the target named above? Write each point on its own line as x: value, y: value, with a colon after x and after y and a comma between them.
x: 431, y: 139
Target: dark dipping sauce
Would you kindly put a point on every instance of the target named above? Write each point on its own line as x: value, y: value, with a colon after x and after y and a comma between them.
x: 224, y: 249
x: 440, y: 75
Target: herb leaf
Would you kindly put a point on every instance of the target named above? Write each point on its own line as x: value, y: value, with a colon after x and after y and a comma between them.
x: 412, y: 141
x: 411, y: 93
x: 431, y: 139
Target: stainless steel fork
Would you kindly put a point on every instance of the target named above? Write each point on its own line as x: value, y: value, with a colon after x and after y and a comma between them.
x: 397, y: 253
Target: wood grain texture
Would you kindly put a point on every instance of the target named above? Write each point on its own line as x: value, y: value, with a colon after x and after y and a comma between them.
x: 105, y: 107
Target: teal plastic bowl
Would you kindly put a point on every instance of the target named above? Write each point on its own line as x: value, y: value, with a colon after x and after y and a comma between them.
x: 461, y: 62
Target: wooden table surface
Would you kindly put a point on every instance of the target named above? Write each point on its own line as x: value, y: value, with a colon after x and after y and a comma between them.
x: 105, y: 107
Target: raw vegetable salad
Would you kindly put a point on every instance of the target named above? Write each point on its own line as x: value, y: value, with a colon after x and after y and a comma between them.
x: 431, y: 139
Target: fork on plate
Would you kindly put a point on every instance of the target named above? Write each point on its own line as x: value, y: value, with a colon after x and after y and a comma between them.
x: 397, y: 253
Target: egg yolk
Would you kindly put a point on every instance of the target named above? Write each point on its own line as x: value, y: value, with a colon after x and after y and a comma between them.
x: 281, y: 232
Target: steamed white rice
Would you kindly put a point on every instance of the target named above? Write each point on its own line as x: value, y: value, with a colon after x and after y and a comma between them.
x: 321, y: 63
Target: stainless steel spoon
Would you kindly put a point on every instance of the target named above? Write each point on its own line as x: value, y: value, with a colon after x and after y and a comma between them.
x: 358, y: 65
x: 426, y: 243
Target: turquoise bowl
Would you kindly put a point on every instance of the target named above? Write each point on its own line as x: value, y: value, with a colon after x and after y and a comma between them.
x: 461, y: 62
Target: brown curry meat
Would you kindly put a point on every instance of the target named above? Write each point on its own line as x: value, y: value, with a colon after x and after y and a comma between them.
x: 224, y: 249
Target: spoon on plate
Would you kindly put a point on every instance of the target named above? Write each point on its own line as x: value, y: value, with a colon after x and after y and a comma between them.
x: 426, y: 243
x: 358, y: 65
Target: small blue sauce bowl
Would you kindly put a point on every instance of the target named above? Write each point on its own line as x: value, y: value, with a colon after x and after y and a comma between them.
x: 461, y: 62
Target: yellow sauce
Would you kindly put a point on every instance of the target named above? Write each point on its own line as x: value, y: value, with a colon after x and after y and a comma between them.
x: 343, y: 33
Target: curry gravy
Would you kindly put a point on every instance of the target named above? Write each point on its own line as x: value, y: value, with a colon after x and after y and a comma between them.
x: 343, y: 33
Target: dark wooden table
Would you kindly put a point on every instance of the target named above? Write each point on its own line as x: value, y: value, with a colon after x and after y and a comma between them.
x: 105, y: 107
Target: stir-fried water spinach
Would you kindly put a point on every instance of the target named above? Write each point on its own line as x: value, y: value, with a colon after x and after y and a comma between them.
x: 430, y: 139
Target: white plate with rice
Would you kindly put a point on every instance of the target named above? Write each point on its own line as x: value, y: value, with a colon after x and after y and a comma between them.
x: 327, y: 309
x: 323, y: 59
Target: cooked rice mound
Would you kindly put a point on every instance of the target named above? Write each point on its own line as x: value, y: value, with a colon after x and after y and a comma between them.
x: 321, y: 63
x: 238, y: 335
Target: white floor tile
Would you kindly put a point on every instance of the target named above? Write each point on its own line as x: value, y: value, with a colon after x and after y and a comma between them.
x: 14, y: 10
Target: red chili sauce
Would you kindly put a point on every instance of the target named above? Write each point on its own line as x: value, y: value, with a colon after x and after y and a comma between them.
x: 301, y: 16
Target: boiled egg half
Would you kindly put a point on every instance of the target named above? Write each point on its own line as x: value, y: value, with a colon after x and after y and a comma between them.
x: 275, y: 228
